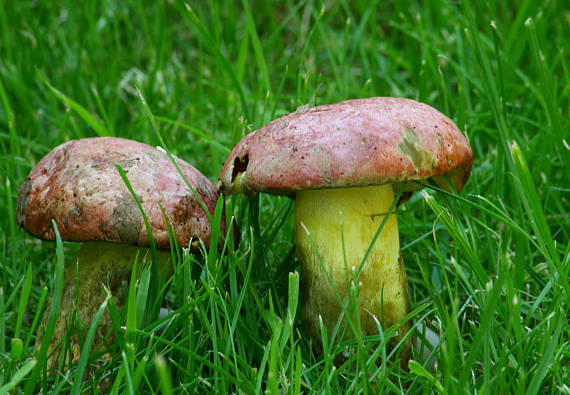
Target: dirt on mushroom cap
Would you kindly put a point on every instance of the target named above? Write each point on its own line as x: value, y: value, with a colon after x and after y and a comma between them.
x: 78, y: 185
x: 353, y: 143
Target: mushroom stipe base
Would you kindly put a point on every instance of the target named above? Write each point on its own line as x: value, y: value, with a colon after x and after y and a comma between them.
x: 99, y: 266
x: 341, y: 223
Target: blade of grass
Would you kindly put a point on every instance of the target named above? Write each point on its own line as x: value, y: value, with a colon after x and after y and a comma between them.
x: 534, y: 210
x: 298, y: 372
x: 484, y: 329
x: 97, y: 126
x: 18, y: 377
x: 212, y: 141
x: 209, y: 42
x: 14, y: 147
x: 274, y: 357
x: 2, y: 324
x: 131, y: 325
x: 24, y: 296
x: 37, y: 315
x: 143, y: 297
x: 128, y: 376
x: 102, y: 111
x: 292, y: 301
x: 87, y: 345
x: 257, y: 48
x: 140, y: 371
x: 545, y: 364
x: 546, y: 78
x: 419, y: 370
x: 487, y: 75
x: 163, y: 375
x: 213, y: 253
x: 262, y: 367
x: 12, y: 233
x: 5, y: 34
x: 47, y: 334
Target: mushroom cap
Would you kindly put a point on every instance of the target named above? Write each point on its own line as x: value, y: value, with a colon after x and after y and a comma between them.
x: 78, y: 185
x: 353, y: 143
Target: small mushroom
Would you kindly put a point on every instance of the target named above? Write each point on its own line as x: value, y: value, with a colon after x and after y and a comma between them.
x: 344, y: 163
x: 78, y: 186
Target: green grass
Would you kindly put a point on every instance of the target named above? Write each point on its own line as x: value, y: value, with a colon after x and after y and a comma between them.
x: 488, y: 270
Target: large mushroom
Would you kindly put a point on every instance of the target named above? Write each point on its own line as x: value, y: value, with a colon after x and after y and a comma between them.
x: 78, y: 186
x: 344, y: 163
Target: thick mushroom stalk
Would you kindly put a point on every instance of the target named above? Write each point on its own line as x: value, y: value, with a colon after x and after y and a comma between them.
x: 99, y: 267
x: 341, y: 223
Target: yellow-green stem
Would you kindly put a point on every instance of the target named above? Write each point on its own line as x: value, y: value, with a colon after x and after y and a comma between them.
x: 383, y: 291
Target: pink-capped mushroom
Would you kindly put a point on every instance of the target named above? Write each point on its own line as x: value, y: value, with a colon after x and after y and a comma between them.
x: 78, y: 186
x: 344, y: 163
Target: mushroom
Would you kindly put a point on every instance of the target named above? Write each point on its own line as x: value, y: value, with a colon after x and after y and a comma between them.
x: 78, y: 186
x: 344, y: 163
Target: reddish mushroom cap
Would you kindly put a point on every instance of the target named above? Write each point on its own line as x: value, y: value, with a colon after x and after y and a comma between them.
x: 353, y: 143
x: 78, y: 185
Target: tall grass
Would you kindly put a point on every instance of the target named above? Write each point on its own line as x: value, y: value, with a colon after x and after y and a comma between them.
x: 488, y: 269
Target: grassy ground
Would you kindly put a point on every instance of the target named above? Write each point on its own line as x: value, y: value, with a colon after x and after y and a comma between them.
x: 488, y: 270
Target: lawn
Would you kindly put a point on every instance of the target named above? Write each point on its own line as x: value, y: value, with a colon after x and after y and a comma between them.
x: 488, y: 269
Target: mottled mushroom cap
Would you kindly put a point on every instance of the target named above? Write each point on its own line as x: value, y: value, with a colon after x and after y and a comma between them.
x: 78, y: 185
x: 353, y: 143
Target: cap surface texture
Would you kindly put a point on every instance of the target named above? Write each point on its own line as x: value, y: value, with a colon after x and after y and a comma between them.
x: 78, y: 185
x: 353, y: 143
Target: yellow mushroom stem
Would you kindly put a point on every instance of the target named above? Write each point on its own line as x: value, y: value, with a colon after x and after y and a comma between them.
x: 319, y: 217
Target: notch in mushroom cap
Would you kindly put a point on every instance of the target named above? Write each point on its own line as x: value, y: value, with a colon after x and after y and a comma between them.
x: 78, y: 186
x: 347, y: 160
x: 358, y: 142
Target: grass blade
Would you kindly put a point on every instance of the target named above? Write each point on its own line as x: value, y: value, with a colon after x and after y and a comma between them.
x: 53, y: 314
x: 546, y: 362
x: 24, y: 296
x: 209, y: 42
x: 87, y: 346
x: 164, y: 375
x: 132, y: 321
x: 97, y: 126
x: 18, y: 377
x: 257, y: 48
